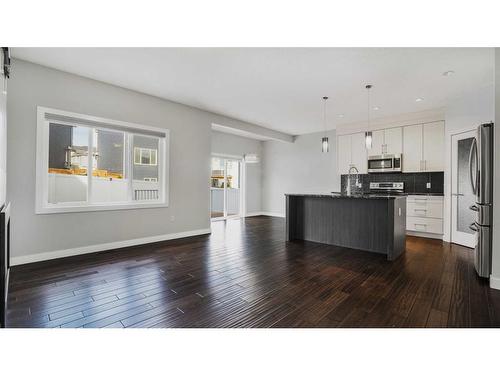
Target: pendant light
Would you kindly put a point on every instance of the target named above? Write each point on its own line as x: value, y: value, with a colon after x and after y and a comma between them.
x: 324, y: 140
x: 368, y: 134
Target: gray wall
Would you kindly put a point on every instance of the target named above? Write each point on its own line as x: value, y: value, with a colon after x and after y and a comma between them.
x: 298, y: 167
x: 496, y: 199
x: 229, y: 144
x: 3, y: 138
x: 32, y: 85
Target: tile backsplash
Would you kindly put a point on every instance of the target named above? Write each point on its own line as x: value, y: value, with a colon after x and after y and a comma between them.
x: 414, y: 182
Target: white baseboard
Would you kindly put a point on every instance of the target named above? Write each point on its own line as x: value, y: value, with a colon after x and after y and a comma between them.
x: 256, y: 213
x: 494, y: 282
x: 103, y: 247
x: 425, y: 235
x: 275, y: 214
x: 264, y: 213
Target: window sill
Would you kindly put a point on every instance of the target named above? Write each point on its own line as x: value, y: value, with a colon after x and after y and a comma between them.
x: 97, y: 207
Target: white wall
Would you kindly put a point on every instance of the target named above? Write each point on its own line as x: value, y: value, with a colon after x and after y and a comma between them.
x: 298, y: 167
x: 229, y: 144
x: 495, y: 273
x: 32, y: 85
x: 461, y: 114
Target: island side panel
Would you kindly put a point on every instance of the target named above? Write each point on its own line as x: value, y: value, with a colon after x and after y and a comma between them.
x: 353, y: 223
x: 398, y: 233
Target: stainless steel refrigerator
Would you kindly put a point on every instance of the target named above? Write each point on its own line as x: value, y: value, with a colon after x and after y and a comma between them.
x: 481, y: 178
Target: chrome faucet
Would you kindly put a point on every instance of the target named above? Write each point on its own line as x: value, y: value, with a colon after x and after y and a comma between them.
x: 349, y: 179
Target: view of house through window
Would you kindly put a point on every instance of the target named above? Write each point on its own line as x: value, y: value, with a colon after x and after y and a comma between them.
x: 68, y: 163
x: 225, y: 187
x: 123, y: 166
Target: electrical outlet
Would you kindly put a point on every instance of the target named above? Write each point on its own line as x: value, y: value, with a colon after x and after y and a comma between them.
x: 428, y: 185
x: 172, y: 218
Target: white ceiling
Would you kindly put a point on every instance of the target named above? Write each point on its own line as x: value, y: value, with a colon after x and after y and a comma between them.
x: 281, y: 88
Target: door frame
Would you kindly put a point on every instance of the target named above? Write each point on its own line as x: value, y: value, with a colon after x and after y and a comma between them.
x: 463, y: 241
x: 242, y: 212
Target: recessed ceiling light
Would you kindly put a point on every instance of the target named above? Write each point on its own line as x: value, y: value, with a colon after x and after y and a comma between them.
x: 341, y: 115
x: 448, y: 73
x: 419, y: 99
x: 376, y: 108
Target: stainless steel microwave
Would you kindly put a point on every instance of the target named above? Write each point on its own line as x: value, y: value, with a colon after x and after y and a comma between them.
x: 384, y: 163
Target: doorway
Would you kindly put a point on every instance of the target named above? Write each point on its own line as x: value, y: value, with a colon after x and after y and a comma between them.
x: 225, y: 188
x: 462, y: 196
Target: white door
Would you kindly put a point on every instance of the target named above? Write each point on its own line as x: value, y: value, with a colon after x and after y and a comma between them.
x: 412, y: 146
x: 225, y: 188
x: 433, y: 154
x: 394, y: 140
x: 461, y: 192
x: 358, y: 152
x: 377, y: 143
x: 344, y: 153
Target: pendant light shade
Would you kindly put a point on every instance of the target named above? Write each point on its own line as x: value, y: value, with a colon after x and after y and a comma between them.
x: 324, y: 144
x: 368, y: 134
x: 324, y: 140
x: 368, y: 140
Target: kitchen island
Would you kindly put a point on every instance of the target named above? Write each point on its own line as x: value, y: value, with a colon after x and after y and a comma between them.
x: 369, y: 222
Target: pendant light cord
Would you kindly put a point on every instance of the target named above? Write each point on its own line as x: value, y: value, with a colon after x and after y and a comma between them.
x: 368, y: 87
x: 325, y: 98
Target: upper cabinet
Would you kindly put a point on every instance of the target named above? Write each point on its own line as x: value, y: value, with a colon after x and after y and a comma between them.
x: 387, y: 141
x: 433, y: 146
x: 358, y: 151
x: 421, y: 147
x: 351, y: 152
x: 394, y: 140
x: 343, y: 153
x: 424, y: 147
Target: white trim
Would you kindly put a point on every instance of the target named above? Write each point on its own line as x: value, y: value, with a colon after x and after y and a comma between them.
x: 274, y: 214
x: 42, y: 154
x: 494, y: 282
x: 425, y: 235
x: 256, y: 213
x: 227, y: 156
x: 103, y: 247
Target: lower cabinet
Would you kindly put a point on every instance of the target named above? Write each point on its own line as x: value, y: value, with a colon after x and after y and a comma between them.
x: 424, y: 215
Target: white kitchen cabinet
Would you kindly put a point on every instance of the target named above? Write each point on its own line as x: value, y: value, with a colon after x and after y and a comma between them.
x: 377, y: 143
x: 343, y: 153
x: 424, y: 215
x: 358, y: 152
x: 387, y: 141
x: 423, y: 147
x: 351, y: 151
x: 433, y: 147
x: 393, y: 140
x: 412, y: 148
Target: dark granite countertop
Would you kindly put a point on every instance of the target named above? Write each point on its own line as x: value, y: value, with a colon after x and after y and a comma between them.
x: 352, y: 196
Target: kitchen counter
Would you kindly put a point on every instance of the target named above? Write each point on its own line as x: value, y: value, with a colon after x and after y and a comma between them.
x: 369, y: 222
x: 351, y: 196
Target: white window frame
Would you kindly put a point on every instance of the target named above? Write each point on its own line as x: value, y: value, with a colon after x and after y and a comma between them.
x: 151, y: 152
x: 42, y: 205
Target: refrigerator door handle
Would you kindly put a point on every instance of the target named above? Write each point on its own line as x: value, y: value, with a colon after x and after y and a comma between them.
x: 474, y: 208
x: 473, y: 227
x: 473, y: 153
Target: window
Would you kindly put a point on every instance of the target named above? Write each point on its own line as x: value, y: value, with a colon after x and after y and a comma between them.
x: 144, y: 156
x: 86, y: 163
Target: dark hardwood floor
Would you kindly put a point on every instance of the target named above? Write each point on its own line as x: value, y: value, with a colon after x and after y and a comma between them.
x: 246, y: 275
